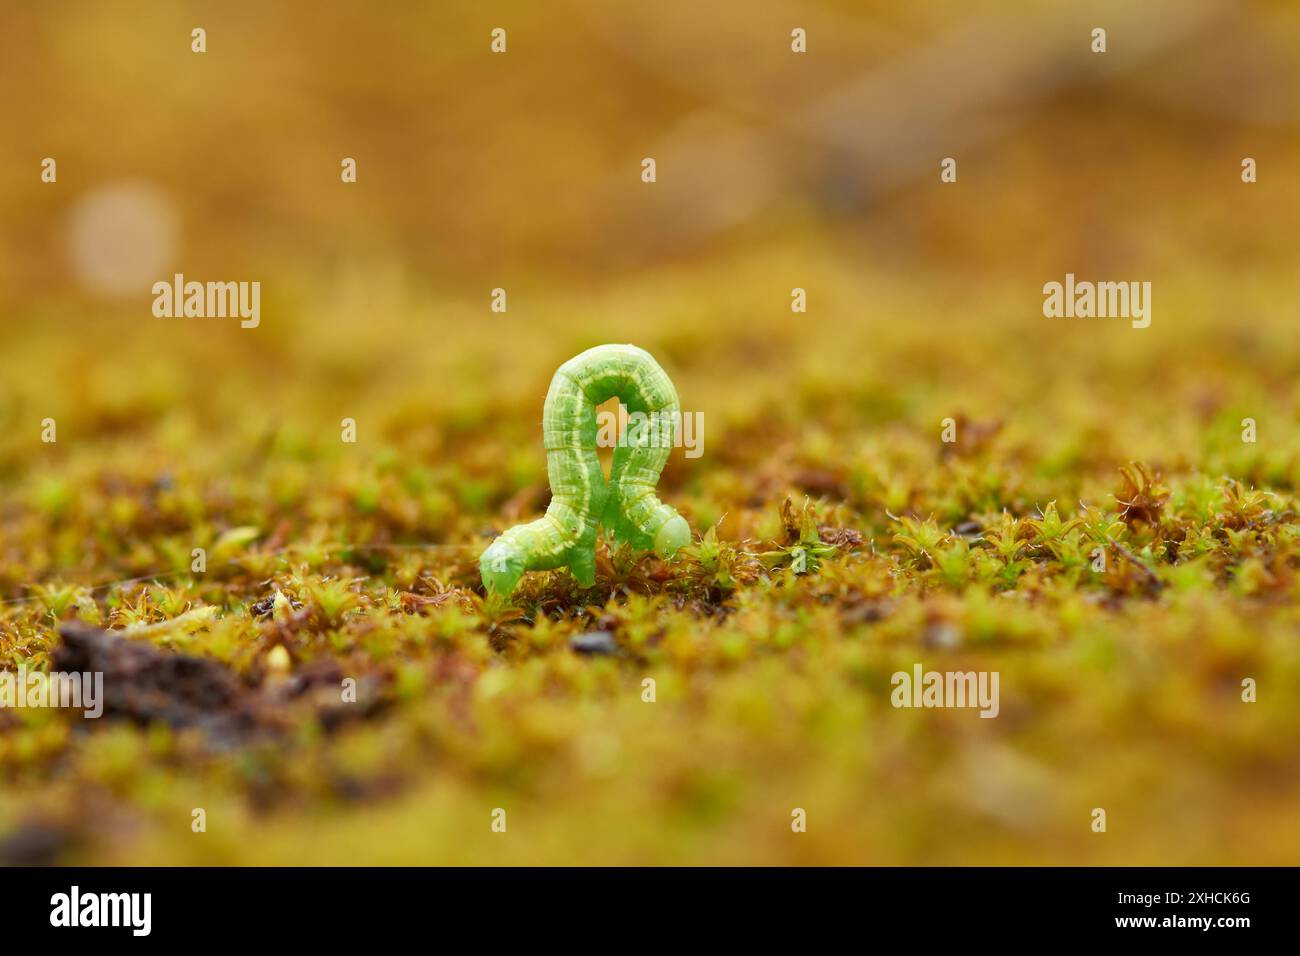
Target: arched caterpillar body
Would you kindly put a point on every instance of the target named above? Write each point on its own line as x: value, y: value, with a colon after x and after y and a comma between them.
x: 581, y: 500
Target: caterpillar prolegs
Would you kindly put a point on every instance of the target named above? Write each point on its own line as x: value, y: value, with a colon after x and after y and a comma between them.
x: 581, y: 500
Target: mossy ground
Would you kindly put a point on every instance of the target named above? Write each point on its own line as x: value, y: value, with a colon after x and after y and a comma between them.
x: 1119, y: 689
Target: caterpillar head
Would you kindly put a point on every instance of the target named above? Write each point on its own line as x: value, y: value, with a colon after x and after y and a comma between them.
x: 673, y: 534
x: 501, y: 566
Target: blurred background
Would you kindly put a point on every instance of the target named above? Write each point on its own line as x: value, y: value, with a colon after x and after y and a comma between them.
x: 521, y: 171
x: 775, y: 171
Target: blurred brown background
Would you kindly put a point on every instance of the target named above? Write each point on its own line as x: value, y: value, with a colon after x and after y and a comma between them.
x: 522, y: 168
x: 522, y: 171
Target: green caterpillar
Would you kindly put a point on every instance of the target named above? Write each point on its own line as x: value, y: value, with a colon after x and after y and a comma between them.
x: 581, y: 500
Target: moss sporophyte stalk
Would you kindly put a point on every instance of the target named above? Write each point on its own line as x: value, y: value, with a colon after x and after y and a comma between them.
x: 582, y: 501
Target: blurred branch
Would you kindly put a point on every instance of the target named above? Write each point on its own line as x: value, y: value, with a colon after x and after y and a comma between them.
x: 886, y: 127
